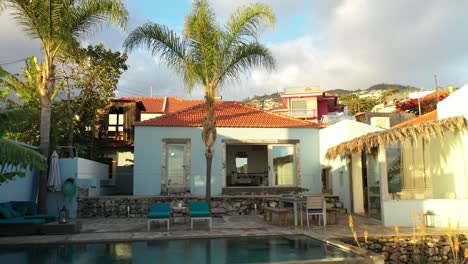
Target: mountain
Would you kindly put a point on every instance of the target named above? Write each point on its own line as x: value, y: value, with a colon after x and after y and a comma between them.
x: 386, y: 86
x: 341, y: 91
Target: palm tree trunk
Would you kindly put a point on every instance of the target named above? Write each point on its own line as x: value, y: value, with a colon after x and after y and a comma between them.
x: 209, y: 134
x: 46, y: 87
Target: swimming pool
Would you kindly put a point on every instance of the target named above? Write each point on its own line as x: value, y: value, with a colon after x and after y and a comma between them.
x: 187, y: 251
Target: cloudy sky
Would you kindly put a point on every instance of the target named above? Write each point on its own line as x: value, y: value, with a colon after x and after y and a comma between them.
x: 333, y: 44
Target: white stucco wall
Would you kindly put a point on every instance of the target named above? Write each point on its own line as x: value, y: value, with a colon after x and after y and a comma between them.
x: 20, y: 188
x: 454, y: 105
x: 148, y: 151
x: 341, y: 173
x: 89, y: 169
x: 398, y: 212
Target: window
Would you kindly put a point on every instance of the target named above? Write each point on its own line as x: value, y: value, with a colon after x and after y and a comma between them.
x: 115, y: 128
x: 283, y: 165
x: 303, y: 108
x: 241, y: 162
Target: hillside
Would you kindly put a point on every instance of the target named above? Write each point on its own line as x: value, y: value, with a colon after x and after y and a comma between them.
x: 357, y: 100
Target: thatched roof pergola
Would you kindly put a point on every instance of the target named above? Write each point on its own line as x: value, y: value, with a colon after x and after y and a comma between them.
x: 390, y: 136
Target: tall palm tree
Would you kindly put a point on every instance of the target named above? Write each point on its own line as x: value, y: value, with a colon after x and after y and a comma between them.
x: 58, y: 24
x: 209, y: 55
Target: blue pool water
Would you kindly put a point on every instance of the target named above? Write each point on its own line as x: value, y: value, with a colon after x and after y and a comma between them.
x: 186, y: 251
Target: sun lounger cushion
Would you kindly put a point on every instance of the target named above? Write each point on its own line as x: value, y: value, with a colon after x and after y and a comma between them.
x: 199, y: 209
x: 25, y: 207
x: 7, y: 211
x: 21, y: 221
x: 160, y: 210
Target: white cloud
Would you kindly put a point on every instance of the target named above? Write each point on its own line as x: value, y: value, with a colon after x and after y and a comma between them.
x: 361, y: 43
x: 350, y: 44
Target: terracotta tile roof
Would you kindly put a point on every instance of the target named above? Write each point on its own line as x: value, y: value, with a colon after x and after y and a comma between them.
x: 431, y: 116
x: 175, y: 104
x: 163, y: 104
x: 228, y: 114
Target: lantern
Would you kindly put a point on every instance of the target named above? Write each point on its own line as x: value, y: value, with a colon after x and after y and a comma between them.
x: 63, y: 215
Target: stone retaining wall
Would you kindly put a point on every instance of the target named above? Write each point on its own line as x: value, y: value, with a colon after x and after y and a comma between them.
x: 435, y: 249
x: 134, y: 206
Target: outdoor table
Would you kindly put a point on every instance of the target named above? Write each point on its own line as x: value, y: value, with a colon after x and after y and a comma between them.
x: 296, y: 201
x: 183, y: 210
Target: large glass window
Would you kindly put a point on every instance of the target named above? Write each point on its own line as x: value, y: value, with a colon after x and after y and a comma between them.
x: 303, y: 108
x: 175, y: 165
x: 283, y: 165
x: 393, y: 155
x: 421, y: 169
x: 373, y: 184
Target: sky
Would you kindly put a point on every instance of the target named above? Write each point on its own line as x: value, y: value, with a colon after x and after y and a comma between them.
x: 331, y: 44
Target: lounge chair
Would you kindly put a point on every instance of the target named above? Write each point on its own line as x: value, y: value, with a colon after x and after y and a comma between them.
x: 159, y: 212
x: 199, y: 211
x: 315, y: 205
x: 15, y: 222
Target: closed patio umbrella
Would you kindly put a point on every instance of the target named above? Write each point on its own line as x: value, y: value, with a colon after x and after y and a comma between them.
x: 54, y: 183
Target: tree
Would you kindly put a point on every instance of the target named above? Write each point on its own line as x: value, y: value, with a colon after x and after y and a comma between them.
x: 14, y: 158
x: 208, y: 55
x: 26, y: 97
x: 58, y: 24
x: 88, y: 77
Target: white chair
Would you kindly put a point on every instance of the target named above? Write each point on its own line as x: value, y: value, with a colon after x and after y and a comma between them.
x: 315, y: 205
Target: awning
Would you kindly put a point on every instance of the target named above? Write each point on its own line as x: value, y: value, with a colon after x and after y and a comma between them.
x: 398, y: 134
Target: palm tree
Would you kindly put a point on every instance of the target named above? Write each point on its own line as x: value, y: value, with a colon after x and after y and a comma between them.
x: 14, y: 158
x: 208, y: 55
x: 58, y: 24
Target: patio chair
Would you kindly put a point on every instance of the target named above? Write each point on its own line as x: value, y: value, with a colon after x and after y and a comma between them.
x: 315, y: 205
x: 160, y: 212
x: 199, y: 211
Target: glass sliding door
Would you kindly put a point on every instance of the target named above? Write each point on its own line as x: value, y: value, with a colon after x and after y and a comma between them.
x: 282, y: 165
x: 175, y: 156
x: 373, y: 186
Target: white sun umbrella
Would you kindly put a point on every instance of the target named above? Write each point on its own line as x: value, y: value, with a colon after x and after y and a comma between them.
x: 54, y: 183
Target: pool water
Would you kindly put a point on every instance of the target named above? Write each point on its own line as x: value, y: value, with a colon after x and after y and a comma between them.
x: 186, y: 251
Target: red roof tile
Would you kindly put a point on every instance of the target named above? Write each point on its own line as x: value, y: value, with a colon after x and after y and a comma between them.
x: 228, y: 114
x: 431, y: 116
x: 163, y: 104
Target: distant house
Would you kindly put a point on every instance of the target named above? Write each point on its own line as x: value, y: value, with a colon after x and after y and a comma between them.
x: 309, y: 104
x: 115, y: 139
x: 255, y: 151
x: 419, y: 166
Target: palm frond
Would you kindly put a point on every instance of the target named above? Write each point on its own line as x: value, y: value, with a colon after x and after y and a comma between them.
x: 160, y: 40
x: 90, y: 14
x: 11, y: 120
x: 14, y: 159
x: 203, y: 37
x: 249, y: 22
x: 246, y: 57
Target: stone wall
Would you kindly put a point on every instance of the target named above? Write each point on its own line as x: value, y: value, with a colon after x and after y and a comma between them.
x: 434, y: 249
x: 137, y: 206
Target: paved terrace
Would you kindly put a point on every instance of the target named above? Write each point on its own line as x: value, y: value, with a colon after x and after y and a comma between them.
x: 128, y: 229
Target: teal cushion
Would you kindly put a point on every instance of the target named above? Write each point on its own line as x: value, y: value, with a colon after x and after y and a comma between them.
x: 5, y: 213
x: 199, y: 206
x: 200, y: 214
x: 21, y: 221
x: 13, y: 212
x: 24, y: 207
x: 153, y: 214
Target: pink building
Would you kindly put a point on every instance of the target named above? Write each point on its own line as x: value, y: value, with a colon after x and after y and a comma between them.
x: 309, y: 104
